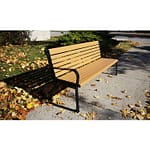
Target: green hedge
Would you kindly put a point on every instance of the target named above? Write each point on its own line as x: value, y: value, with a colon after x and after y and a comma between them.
x: 14, y: 37
x: 75, y: 37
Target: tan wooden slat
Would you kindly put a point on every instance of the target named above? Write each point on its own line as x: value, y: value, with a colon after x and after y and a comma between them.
x: 95, y: 68
x: 76, y: 59
x: 75, y: 65
x: 75, y: 55
x: 72, y: 47
x: 103, y: 63
x: 74, y: 51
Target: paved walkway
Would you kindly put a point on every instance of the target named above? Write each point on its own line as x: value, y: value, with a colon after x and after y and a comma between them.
x: 126, y: 88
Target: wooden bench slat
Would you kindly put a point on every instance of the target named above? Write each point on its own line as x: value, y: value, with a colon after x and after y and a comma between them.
x: 79, y: 60
x: 73, y: 51
x: 72, y: 47
x: 75, y: 56
x: 73, y: 66
x: 94, y: 69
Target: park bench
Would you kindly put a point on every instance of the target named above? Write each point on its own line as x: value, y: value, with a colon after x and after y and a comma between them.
x: 69, y: 66
x: 77, y: 64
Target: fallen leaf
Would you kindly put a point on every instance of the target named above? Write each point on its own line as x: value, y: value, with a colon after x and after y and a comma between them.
x: 3, y: 85
x: 110, y: 76
x: 109, y: 95
x: 127, y: 96
x: 131, y: 106
x: 138, y: 105
x: 93, y: 84
x: 114, y: 104
x: 114, y: 97
x: 124, y: 91
x: 60, y: 112
x: 139, y: 117
x: 142, y: 112
x: 139, y: 102
x: 147, y: 94
x: 58, y: 101
x: 56, y: 97
x: 96, y: 96
x: 148, y: 116
x: 106, y: 81
x: 14, y: 115
x: 132, y: 114
x: 97, y: 104
x: 125, y: 113
x: 89, y: 115
x: 100, y: 79
x: 30, y: 105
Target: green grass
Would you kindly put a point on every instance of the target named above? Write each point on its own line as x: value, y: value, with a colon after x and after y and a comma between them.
x: 17, y: 59
x: 121, y: 48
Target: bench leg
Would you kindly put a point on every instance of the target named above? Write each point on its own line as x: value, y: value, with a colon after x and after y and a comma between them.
x: 77, y: 99
x: 116, y: 69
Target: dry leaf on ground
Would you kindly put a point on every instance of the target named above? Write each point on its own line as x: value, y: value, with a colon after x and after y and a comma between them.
x: 114, y: 97
x: 93, y: 84
x: 88, y: 116
x: 124, y: 91
x: 96, y: 96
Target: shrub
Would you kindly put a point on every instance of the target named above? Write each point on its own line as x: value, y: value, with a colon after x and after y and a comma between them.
x: 75, y: 37
x: 14, y: 37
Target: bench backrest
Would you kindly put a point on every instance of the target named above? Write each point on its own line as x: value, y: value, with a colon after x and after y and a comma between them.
x: 74, y: 56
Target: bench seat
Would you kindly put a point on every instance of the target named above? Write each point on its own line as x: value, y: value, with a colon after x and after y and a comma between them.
x: 94, y: 69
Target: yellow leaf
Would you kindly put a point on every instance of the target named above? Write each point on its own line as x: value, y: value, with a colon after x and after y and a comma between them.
x: 100, y: 79
x: 2, y: 85
x: 139, y: 116
x: 148, y: 116
x: 93, y: 84
x: 30, y: 105
x: 114, y: 104
x: 125, y: 113
x: 110, y: 76
x: 42, y: 49
x: 124, y: 91
x: 128, y: 96
x: 56, y: 97
x: 97, y: 97
x: 14, y: 114
x: 130, y: 105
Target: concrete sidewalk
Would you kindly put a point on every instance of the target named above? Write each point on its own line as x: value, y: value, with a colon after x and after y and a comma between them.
x: 95, y: 97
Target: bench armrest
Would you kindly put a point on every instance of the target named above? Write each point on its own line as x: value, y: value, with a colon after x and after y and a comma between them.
x: 74, y: 70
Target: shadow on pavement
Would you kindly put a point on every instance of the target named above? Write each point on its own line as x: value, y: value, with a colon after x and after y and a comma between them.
x: 40, y: 83
x: 144, y: 47
x: 135, y: 60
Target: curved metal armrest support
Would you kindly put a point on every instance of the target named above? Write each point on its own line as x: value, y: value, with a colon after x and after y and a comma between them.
x: 74, y: 70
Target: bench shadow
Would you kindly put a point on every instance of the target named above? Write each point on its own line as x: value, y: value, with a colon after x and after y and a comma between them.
x: 136, y: 60
x: 42, y: 87
x: 102, y: 113
x: 143, y: 47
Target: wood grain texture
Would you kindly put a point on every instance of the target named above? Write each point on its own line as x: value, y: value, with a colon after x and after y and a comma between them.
x: 84, y: 57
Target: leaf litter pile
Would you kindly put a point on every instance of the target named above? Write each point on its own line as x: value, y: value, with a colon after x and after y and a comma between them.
x: 15, y: 102
x: 137, y: 110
